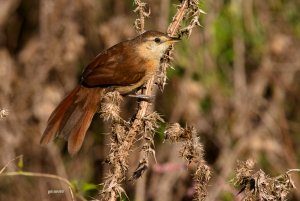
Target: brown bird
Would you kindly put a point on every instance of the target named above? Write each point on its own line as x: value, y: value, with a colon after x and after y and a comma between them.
x: 124, y: 67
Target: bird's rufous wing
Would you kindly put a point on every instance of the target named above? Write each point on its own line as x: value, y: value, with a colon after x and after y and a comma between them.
x: 114, y: 67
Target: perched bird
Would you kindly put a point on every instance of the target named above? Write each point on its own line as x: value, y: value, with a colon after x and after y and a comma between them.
x: 124, y: 67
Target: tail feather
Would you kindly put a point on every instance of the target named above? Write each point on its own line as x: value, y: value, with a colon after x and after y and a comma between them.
x: 56, y: 118
x: 72, y: 117
x: 76, y: 138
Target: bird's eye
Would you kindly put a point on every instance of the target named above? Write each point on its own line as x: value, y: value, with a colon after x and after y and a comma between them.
x: 157, y: 40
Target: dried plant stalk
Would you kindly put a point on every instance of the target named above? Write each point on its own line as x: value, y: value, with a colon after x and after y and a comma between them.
x: 110, y: 110
x: 142, y: 123
x: 140, y: 21
x: 186, y: 10
x: 150, y: 125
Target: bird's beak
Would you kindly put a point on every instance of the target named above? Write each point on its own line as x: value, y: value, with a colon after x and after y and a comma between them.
x: 172, y: 40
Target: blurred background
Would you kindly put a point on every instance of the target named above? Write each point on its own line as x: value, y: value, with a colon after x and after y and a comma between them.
x: 236, y: 79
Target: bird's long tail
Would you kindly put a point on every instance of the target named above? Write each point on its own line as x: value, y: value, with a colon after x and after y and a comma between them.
x: 72, y: 117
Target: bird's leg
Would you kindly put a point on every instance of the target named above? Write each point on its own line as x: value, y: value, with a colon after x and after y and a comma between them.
x: 142, y: 97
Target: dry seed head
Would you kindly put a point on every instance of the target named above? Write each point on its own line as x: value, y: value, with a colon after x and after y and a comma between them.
x: 173, y: 132
x: 176, y: 133
x: 110, y: 107
x: 201, y: 179
x: 244, y: 170
x: 192, y: 151
x: 119, y: 132
x: 151, y: 122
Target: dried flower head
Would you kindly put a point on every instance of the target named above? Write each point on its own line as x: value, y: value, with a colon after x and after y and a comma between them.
x: 175, y: 132
x: 244, y: 170
x: 201, y: 179
x: 110, y: 106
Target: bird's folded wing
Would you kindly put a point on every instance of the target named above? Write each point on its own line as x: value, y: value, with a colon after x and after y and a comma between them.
x: 114, y: 67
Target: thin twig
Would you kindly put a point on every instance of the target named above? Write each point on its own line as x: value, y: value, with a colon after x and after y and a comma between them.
x: 292, y: 170
x: 7, y: 164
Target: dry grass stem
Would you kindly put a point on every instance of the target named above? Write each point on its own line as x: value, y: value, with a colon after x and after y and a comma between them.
x: 7, y: 164
x: 48, y: 176
x: 72, y: 189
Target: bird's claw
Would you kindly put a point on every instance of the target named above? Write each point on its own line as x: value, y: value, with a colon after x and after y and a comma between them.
x: 142, y: 97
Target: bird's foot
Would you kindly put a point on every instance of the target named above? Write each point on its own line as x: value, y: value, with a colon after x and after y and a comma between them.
x: 142, y: 97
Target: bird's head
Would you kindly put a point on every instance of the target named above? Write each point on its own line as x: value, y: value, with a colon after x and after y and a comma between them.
x: 153, y: 44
